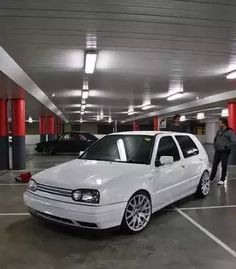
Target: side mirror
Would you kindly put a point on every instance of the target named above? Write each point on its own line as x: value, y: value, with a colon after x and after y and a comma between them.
x: 166, y: 160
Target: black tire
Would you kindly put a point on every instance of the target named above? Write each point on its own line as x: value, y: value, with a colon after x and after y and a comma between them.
x: 48, y: 151
x: 138, y: 213
x: 203, y: 186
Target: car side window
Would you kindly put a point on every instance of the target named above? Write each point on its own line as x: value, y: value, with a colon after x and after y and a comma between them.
x: 187, y: 146
x: 167, y: 147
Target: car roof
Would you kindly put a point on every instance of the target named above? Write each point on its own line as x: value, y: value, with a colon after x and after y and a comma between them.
x: 150, y: 133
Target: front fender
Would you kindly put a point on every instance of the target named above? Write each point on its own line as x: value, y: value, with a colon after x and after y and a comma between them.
x: 120, y: 189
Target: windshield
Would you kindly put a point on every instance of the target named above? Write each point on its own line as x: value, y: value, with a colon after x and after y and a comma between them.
x: 122, y: 148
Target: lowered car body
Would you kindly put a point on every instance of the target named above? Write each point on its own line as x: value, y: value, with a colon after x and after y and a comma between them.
x: 121, y: 180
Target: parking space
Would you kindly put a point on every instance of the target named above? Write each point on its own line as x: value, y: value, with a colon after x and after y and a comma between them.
x: 170, y: 241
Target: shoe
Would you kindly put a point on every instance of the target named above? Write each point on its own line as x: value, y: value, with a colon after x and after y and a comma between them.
x: 220, y: 182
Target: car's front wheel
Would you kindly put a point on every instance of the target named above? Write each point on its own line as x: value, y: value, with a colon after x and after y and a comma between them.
x: 137, y: 213
x: 204, y: 185
x: 48, y: 151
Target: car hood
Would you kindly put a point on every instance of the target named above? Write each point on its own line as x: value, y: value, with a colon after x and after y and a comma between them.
x: 87, y: 173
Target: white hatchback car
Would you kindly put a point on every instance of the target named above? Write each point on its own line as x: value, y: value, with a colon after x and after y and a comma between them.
x: 121, y: 180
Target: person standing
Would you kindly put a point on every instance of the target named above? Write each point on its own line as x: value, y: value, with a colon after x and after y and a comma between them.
x: 176, y: 125
x: 223, y: 142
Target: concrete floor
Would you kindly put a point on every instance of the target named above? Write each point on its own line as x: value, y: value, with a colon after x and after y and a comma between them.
x: 200, y: 235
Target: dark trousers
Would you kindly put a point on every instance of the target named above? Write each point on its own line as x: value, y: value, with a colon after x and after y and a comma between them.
x: 220, y: 156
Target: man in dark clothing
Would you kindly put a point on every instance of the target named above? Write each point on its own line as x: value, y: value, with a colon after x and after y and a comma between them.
x: 176, y: 126
x: 223, y: 142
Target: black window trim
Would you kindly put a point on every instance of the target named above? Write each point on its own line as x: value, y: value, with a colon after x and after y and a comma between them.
x: 191, y: 155
x: 173, y: 138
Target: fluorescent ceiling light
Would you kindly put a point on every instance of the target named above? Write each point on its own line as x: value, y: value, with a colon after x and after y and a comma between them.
x: 82, y: 112
x: 90, y: 62
x: 231, y: 75
x: 81, y: 120
x: 101, y: 114
x: 146, y: 107
x: 200, y: 116
x: 131, y: 113
x: 53, y: 95
x: 85, y: 85
x: 183, y: 118
x: 98, y: 118
x: 83, y: 106
x: 109, y: 120
x: 83, y: 101
x: 175, y: 96
x: 85, y: 94
x: 224, y: 112
x: 30, y: 120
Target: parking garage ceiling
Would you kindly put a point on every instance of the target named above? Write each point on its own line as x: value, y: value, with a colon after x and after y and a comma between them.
x: 143, y: 48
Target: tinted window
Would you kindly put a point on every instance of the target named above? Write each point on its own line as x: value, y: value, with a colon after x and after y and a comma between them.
x: 187, y: 146
x: 90, y: 137
x: 167, y: 147
x: 122, y: 148
x: 67, y: 137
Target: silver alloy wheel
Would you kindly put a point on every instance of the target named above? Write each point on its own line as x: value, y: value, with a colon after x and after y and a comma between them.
x: 138, y: 212
x: 205, y: 183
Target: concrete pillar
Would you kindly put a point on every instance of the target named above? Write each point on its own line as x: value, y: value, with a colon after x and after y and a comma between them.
x: 155, y: 124
x: 42, y: 128
x: 211, y: 129
x: 51, y: 128
x: 4, y: 143
x: 18, y: 134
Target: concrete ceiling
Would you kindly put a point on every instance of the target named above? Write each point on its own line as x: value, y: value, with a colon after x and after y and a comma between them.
x: 142, y: 46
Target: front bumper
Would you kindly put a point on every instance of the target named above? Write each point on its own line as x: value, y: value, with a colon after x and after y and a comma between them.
x: 93, y: 217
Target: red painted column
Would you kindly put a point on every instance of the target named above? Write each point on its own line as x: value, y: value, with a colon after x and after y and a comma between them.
x: 136, y: 126
x: 155, y: 124
x: 232, y: 124
x: 232, y: 115
x: 51, y: 128
x: 18, y: 134
x: 42, y: 128
x: 4, y: 143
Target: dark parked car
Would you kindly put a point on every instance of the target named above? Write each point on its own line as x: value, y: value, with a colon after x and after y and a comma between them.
x: 72, y: 142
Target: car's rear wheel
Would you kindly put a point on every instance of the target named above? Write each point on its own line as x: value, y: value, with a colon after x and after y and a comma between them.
x: 204, y: 185
x: 48, y: 151
x: 137, y: 213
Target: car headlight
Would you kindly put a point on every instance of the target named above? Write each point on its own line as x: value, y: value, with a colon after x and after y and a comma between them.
x: 32, y: 186
x: 86, y: 196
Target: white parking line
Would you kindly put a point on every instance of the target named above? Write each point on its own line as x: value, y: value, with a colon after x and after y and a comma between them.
x: 13, y: 184
x: 205, y: 231
x: 207, y: 207
x: 14, y: 214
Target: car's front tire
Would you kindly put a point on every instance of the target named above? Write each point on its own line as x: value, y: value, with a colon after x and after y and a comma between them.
x: 204, y: 185
x: 48, y: 151
x: 137, y: 214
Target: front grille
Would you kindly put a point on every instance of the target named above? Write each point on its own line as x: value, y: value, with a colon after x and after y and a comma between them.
x: 54, y: 190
